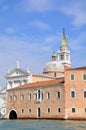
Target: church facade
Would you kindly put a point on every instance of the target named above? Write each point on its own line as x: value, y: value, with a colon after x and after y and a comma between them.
x: 58, y: 93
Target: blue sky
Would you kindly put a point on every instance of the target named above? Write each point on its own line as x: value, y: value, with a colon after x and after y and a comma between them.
x: 31, y: 30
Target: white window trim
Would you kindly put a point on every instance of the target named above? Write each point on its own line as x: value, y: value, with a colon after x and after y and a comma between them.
x: 10, y: 98
x: 58, y: 111
x: 38, y: 99
x: 23, y: 111
x: 47, y: 110
x: 70, y: 77
x: 83, y: 77
x: 47, y: 94
x: 29, y: 96
x: 57, y: 94
x: 72, y: 89
x: 75, y: 110
x: 15, y: 98
x: 29, y: 111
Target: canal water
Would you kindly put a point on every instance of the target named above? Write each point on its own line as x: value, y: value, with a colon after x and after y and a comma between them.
x: 42, y: 125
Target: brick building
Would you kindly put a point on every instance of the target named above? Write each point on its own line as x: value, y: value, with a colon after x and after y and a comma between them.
x: 62, y: 98
x: 58, y: 93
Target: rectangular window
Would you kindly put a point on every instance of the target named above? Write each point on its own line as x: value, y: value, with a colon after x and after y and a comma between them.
x: 42, y: 95
x: 38, y: 96
x: 58, y: 94
x: 72, y: 94
x: 73, y: 110
x: 10, y: 98
x: 85, y: 110
x: 59, y: 110
x: 72, y: 77
x: 15, y: 97
x: 84, y: 76
x: 22, y: 97
x: 84, y: 94
x: 48, y: 95
x: 48, y: 110
x: 29, y: 110
x: 61, y: 57
x: 22, y: 111
x: 29, y: 96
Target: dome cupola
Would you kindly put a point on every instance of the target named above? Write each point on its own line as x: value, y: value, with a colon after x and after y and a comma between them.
x: 53, y: 66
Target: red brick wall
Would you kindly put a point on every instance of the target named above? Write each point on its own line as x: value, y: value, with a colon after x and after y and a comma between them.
x: 53, y: 103
x: 79, y: 102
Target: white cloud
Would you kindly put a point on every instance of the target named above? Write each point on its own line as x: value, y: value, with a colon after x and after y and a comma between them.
x: 76, y: 10
x: 10, y: 30
x: 39, y: 24
x: 78, y: 43
x: 37, y: 5
x: 28, y: 53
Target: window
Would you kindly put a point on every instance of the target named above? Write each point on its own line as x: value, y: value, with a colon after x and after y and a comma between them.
x: 58, y: 94
x: 73, y: 110
x: 10, y: 98
x: 38, y: 95
x: 59, y: 110
x: 72, y: 77
x: 72, y: 93
x: 67, y: 57
x: 54, y: 74
x: 48, y: 95
x: 22, y: 111
x: 22, y: 97
x: 29, y: 110
x: 61, y: 57
x: 84, y: 76
x: 84, y: 94
x: 29, y: 96
x: 48, y: 110
x: 42, y: 95
x: 15, y: 97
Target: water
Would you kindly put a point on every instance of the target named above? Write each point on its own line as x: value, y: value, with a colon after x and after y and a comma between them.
x: 42, y: 125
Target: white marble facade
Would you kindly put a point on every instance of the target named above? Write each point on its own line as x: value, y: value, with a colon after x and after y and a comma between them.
x: 17, y: 77
x: 2, y: 103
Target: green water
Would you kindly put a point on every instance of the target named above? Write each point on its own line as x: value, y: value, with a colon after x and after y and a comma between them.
x: 42, y: 125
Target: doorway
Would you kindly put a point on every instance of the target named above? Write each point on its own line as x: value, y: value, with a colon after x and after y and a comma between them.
x: 13, y: 115
x: 39, y: 112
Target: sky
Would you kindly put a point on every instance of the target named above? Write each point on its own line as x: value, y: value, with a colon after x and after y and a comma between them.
x: 31, y: 30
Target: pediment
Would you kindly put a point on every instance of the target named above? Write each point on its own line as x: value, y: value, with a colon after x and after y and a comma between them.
x: 16, y: 72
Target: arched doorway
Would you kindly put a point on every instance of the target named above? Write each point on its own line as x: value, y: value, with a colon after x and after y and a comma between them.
x: 13, y: 115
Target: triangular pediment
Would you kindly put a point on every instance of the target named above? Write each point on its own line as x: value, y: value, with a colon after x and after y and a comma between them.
x: 16, y: 72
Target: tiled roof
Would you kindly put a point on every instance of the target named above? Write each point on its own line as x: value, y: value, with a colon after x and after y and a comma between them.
x: 39, y: 84
x: 78, y: 68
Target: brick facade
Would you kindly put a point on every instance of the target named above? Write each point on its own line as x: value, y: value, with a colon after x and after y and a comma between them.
x: 63, y: 98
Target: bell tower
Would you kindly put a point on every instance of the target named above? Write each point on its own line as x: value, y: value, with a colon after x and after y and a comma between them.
x: 64, y: 53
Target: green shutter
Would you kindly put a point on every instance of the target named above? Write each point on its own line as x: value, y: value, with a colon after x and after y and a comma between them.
x: 84, y: 76
x: 72, y: 77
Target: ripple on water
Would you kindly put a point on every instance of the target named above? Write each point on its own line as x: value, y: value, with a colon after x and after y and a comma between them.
x: 42, y: 125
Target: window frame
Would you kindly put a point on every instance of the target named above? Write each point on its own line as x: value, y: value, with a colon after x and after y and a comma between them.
x: 84, y: 93
x: 48, y: 110
x: 29, y: 96
x: 73, y: 110
x: 73, y: 96
x: 48, y: 95
x: 59, y: 94
x: 59, y: 110
x: 72, y: 78
x: 84, y: 76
